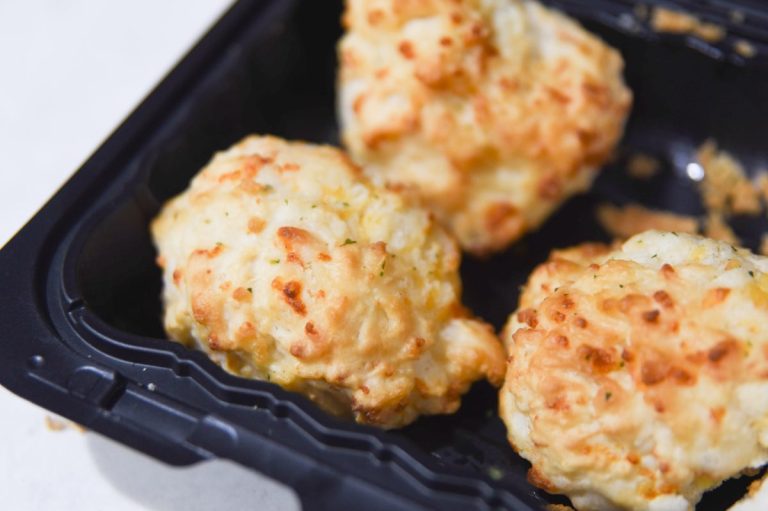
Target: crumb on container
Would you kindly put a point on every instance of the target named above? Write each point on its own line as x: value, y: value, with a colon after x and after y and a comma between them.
x: 725, y: 186
x: 744, y: 48
x: 57, y: 424
x: 678, y: 22
x: 642, y: 166
x: 625, y: 221
x: 54, y: 424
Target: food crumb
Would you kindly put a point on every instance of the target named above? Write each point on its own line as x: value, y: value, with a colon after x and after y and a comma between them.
x: 624, y: 222
x: 678, y: 22
x: 54, y: 424
x: 725, y: 186
x: 642, y: 166
x: 57, y: 424
x: 744, y: 48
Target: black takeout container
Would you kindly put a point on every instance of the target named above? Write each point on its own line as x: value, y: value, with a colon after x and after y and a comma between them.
x: 80, y: 322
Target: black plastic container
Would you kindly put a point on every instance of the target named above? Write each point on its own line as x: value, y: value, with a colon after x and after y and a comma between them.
x: 81, y: 331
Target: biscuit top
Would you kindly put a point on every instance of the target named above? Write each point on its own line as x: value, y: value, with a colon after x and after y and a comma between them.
x: 495, y: 110
x: 638, y: 376
x: 285, y: 264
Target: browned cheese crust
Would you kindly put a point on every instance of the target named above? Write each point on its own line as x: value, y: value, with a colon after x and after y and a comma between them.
x: 284, y: 264
x: 494, y: 111
x: 638, y: 374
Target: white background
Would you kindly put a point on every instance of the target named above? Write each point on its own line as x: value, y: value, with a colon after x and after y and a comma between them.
x: 70, y: 72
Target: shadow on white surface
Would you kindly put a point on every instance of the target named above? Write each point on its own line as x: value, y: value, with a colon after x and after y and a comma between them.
x: 216, y: 484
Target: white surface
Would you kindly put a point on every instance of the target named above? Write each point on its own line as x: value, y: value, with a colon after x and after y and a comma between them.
x: 71, y: 71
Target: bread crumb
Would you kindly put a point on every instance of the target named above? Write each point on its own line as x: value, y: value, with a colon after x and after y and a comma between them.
x: 642, y: 166
x: 624, y: 222
x: 725, y: 187
x: 678, y: 22
x: 715, y: 227
x: 58, y: 424
x: 54, y: 424
x: 744, y: 48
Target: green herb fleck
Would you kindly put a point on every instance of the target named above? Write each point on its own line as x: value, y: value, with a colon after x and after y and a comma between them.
x: 675, y: 234
x: 267, y: 188
x: 608, y: 395
x: 751, y: 273
x: 495, y: 473
x: 654, y: 256
x: 274, y: 261
x: 594, y: 276
x: 621, y: 286
x: 348, y: 242
x: 219, y: 244
x: 250, y: 290
x: 285, y: 200
x: 345, y: 204
x: 621, y: 364
x: 314, y: 206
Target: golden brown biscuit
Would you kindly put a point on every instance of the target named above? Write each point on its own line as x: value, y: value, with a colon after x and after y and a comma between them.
x: 284, y: 264
x: 495, y: 111
x: 638, y: 376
